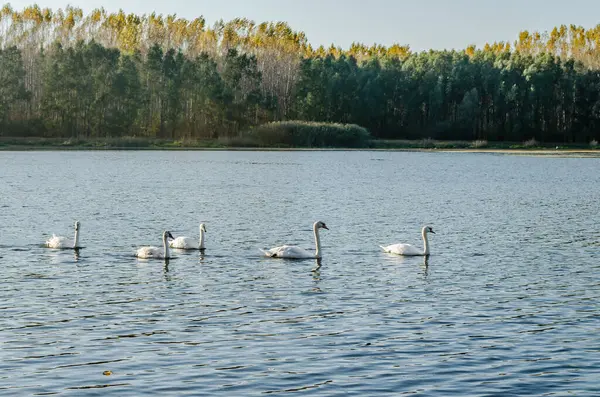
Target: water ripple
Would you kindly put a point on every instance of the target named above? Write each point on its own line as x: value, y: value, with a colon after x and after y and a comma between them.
x: 506, y: 305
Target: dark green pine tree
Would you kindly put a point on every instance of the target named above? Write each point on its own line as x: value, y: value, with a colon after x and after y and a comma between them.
x: 12, y: 82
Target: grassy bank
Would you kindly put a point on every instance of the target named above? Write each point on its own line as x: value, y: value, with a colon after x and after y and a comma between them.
x: 125, y: 143
x: 284, y: 135
x: 288, y: 134
x: 249, y: 143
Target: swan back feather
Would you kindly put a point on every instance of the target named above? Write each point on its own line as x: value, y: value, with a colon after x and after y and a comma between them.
x: 288, y: 251
x: 149, y: 252
x: 59, y: 242
x: 402, y: 249
x: 62, y: 242
x: 185, y: 243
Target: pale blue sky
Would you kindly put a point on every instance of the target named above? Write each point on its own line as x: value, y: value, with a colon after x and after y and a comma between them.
x: 422, y: 24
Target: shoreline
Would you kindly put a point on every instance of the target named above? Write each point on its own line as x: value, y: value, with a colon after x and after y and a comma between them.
x: 140, y: 144
x: 516, y: 152
x: 540, y: 152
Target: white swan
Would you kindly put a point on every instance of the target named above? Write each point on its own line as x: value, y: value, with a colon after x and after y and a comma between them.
x: 189, y: 243
x: 155, y: 252
x: 411, y: 250
x: 294, y: 252
x: 64, y: 242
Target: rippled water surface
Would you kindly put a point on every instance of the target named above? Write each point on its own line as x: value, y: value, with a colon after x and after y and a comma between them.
x: 506, y: 305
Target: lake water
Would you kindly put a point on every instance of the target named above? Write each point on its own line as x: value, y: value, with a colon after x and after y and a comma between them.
x: 506, y: 305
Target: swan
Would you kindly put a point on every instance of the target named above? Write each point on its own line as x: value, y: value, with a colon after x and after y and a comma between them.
x: 294, y: 252
x: 411, y: 250
x: 189, y: 243
x: 64, y: 242
x: 155, y: 252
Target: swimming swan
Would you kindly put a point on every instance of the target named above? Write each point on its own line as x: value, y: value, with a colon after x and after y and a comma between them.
x: 188, y: 243
x: 294, y: 252
x: 64, y: 242
x: 155, y: 252
x: 411, y: 250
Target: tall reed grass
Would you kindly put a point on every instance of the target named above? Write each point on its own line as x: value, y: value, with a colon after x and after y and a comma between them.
x: 310, y: 134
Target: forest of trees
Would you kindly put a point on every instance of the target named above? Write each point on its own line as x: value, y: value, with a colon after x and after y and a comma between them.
x: 66, y: 74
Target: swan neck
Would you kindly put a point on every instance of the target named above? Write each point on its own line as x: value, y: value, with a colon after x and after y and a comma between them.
x: 76, y: 244
x: 425, y: 244
x: 166, y: 246
x: 201, y: 242
x: 317, y: 242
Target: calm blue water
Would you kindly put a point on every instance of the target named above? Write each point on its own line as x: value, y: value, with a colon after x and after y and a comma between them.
x: 506, y: 305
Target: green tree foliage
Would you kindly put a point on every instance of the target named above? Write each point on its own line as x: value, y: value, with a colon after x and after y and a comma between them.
x: 12, y: 81
x: 66, y: 74
x: 242, y: 97
x: 202, y: 98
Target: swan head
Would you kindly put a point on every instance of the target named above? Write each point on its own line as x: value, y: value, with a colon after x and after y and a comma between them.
x: 202, y: 227
x: 167, y: 235
x: 320, y: 225
x: 428, y: 229
x: 77, y: 224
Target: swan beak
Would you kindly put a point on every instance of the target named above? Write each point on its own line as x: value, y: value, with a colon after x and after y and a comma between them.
x: 432, y: 232
x: 325, y: 227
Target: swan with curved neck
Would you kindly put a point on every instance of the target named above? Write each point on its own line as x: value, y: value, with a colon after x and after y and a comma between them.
x: 411, y: 250
x: 189, y: 243
x: 295, y: 252
x: 64, y: 242
x: 155, y: 252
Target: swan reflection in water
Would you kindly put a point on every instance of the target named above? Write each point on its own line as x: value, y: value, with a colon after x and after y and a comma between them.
x: 316, y: 270
x: 58, y: 257
x: 316, y: 275
x: 166, y: 274
x: 425, y: 266
x: 76, y: 253
x: 410, y: 261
